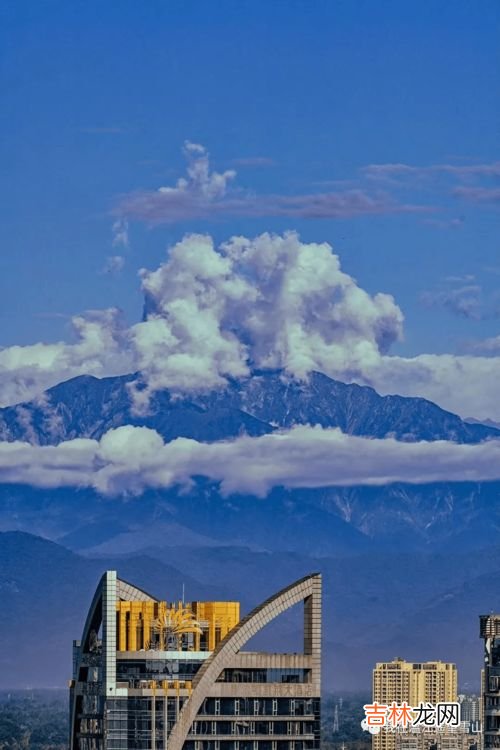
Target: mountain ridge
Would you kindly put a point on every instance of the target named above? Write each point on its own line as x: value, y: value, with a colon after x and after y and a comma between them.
x: 86, y: 406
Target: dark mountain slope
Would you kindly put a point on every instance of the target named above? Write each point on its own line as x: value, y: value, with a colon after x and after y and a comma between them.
x: 46, y: 590
x: 88, y: 407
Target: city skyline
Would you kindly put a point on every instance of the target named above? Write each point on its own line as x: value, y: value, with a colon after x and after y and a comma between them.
x: 250, y: 322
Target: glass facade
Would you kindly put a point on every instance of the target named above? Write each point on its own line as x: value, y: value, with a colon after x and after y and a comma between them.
x: 265, y: 675
x: 136, y: 671
x: 140, y: 723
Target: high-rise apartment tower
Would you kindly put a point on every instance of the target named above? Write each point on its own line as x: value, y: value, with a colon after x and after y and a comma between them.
x: 411, y: 682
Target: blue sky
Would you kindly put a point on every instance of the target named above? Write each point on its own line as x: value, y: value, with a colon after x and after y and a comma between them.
x: 98, y: 99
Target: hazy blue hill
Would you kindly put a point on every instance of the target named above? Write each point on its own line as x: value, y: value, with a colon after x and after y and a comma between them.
x: 46, y: 590
x: 420, y: 606
x: 332, y: 521
x: 82, y: 520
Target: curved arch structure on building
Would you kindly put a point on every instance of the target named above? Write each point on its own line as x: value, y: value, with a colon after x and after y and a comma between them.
x: 225, y: 699
x: 307, y: 589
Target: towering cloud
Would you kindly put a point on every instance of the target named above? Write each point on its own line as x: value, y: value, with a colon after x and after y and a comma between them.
x: 271, y: 302
x: 213, y: 313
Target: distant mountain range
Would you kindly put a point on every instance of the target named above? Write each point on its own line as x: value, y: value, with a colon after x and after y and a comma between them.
x: 407, y: 568
x: 87, y: 407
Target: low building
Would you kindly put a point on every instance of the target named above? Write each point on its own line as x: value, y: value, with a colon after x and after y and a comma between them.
x: 413, y: 683
x: 450, y: 739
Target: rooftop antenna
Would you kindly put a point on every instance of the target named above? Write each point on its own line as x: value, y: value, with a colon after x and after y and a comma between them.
x: 336, y: 719
x: 183, y: 593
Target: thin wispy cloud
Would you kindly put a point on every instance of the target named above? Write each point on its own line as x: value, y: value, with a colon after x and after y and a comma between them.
x: 455, y: 223
x: 463, y: 296
x: 466, y: 278
x: 254, y: 161
x: 473, y: 183
x: 464, y: 301
x: 479, y: 195
x: 458, y: 171
x: 207, y: 194
x: 104, y: 130
x: 113, y: 265
x: 120, y: 233
x: 487, y: 347
x: 52, y: 315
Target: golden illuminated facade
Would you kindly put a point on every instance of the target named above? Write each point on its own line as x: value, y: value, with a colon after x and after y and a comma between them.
x: 411, y: 682
x: 196, y: 626
x: 149, y: 675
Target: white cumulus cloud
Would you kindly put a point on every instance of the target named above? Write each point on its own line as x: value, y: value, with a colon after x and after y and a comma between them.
x: 271, y: 302
x: 132, y: 459
x: 100, y: 349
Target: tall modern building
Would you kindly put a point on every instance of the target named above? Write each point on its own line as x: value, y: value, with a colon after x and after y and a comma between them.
x: 399, y: 681
x: 148, y: 675
x: 490, y: 680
